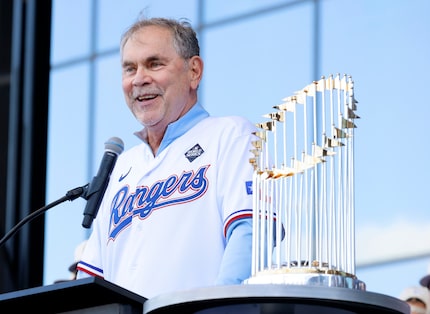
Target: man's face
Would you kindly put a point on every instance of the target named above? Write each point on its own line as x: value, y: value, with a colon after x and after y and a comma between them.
x: 159, y: 86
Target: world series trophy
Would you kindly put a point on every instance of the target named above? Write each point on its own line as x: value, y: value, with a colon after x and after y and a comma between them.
x: 303, y: 189
x: 303, y: 242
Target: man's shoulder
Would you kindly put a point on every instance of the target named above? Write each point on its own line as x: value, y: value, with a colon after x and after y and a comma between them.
x: 233, y: 122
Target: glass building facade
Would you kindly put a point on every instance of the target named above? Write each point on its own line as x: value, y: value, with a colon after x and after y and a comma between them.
x: 256, y: 53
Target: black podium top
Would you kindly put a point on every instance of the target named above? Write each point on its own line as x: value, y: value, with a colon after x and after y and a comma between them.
x: 274, y: 299
x: 68, y: 296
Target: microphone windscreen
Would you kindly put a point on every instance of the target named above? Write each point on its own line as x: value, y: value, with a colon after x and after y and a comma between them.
x: 114, y: 145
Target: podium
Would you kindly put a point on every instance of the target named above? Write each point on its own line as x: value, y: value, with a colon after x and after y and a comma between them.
x: 91, y: 295
x: 96, y: 296
x: 274, y: 299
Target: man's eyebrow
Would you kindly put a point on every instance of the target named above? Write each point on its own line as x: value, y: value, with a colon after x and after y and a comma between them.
x: 154, y: 58
x: 148, y: 59
x: 126, y: 64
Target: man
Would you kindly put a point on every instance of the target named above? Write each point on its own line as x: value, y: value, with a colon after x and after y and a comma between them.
x: 177, y: 211
x: 418, y: 299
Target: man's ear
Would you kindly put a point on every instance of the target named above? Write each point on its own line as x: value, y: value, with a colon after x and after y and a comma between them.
x: 196, y: 70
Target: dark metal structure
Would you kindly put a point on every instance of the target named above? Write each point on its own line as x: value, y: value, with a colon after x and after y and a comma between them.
x: 25, y: 36
x: 274, y: 299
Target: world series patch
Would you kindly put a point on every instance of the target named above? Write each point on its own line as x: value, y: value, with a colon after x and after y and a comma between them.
x: 248, y: 185
x: 194, y: 152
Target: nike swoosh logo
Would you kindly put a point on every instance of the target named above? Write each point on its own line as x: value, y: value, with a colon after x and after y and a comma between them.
x: 122, y: 177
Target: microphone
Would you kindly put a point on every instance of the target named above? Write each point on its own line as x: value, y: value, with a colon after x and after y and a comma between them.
x: 96, y: 189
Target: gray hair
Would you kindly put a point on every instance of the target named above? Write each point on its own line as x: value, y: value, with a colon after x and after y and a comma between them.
x: 184, y: 37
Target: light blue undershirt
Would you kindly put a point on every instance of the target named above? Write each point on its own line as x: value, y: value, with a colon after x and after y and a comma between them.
x: 179, y: 127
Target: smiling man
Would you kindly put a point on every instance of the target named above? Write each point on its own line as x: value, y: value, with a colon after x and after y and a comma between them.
x: 177, y: 213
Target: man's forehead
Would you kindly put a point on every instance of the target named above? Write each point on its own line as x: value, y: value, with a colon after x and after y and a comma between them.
x: 150, y: 37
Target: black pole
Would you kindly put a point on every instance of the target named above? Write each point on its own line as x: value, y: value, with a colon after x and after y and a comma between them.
x: 23, y: 168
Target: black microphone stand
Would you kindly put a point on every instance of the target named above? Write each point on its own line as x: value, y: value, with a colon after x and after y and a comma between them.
x: 70, y: 196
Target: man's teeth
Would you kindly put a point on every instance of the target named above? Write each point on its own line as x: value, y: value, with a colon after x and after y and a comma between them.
x: 146, y: 97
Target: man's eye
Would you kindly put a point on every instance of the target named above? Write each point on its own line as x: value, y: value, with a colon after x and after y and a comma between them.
x: 155, y: 65
x: 128, y: 69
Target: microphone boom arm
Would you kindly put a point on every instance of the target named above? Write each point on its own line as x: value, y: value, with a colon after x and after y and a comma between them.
x: 70, y: 196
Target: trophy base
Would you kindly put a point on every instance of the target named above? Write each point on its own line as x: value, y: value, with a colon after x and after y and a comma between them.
x: 306, y: 276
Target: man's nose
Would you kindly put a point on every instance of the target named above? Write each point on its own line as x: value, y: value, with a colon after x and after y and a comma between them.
x: 142, y: 77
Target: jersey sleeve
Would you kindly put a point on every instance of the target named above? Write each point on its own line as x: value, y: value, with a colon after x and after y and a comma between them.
x: 91, y: 259
x: 90, y: 263
x: 236, y: 173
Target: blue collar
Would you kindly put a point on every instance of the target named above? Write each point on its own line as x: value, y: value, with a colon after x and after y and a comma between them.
x: 179, y: 127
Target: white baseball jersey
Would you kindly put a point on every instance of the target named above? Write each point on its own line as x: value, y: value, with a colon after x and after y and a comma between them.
x: 162, y: 222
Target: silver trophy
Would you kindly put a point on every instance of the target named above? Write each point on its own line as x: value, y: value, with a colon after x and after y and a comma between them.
x: 303, y: 189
